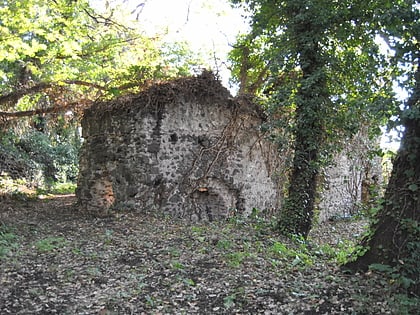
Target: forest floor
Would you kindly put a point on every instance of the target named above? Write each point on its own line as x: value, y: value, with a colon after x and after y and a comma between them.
x: 56, y: 260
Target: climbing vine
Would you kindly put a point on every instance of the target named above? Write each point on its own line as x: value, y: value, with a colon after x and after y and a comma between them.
x: 321, y: 67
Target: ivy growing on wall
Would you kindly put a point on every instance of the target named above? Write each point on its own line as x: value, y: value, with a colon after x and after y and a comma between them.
x: 321, y: 64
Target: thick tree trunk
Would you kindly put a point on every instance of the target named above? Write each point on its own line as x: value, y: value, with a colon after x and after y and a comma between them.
x: 298, y: 211
x: 396, y: 233
x: 297, y: 214
x: 309, y: 131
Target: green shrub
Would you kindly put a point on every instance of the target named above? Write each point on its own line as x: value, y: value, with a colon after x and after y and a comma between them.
x: 46, y: 158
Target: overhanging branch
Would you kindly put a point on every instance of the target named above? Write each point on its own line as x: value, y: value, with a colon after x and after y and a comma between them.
x: 15, y: 96
x: 38, y: 111
x: 84, y: 83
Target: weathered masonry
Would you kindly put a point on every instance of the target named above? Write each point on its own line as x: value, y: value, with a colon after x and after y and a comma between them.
x: 184, y: 148
x: 353, y: 181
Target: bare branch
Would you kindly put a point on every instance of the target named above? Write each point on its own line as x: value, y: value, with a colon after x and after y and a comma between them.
x: 188, y: 12
x: 139, y: 9
x: 107, y: 21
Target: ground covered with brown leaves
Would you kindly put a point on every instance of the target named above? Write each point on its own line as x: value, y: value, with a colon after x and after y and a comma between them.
x: 55, y: 260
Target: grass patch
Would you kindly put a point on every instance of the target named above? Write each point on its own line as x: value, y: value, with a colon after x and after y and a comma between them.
x: 298, y: 257
x: 58, y: 189
x: 8, y: 240
x: 50, y: 244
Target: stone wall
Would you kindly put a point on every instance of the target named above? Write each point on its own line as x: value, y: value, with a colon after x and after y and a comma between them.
x: 349, y: 181
x: 188, y: 149
x: 184, y: 148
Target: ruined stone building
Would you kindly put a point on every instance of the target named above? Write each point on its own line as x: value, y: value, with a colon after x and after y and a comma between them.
x: 184, y: 148
x: 188, y: 149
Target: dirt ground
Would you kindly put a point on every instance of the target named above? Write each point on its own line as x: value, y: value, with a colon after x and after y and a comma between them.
x: 56, y: 260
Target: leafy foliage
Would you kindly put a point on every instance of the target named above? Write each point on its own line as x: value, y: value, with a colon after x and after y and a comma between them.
x: 56, y: 159
x: 65, y: 54
x: 323, y: 67
x: 57, y: 58
x: 50, y: 243
x: 394, y: 244
x: 249, y: 67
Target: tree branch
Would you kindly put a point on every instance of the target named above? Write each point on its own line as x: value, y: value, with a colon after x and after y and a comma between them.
x: 107, y: 21
x: 15, y: 96
x: 53, y: 109
x: 84, y: 83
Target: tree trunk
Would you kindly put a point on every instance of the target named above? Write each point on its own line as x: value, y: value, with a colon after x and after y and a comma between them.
x: 311, y: 99
x: 297, y: 214
x: 396, y: 232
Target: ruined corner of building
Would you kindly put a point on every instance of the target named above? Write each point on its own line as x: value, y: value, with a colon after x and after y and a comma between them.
x: 186, y: 148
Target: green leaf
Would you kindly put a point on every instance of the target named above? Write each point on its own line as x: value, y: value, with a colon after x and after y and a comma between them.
x: 409, y: 173
x: 406, y: 282
x: 381, y: 268
x: 115, y: 91
x: 413, y: 187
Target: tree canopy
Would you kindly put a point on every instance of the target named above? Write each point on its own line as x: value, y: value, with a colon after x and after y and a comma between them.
x: 322, y: 63
x: 57, y: 57
x: 63, y: 54
x: 394, y: 239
